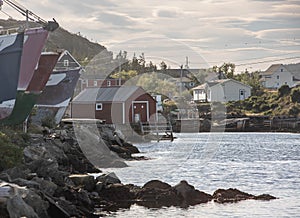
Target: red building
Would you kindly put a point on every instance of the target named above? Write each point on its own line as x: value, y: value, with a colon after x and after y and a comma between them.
x: 115, y: 105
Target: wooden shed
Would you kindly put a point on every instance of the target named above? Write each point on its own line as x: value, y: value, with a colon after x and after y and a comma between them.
x: 115, y: 105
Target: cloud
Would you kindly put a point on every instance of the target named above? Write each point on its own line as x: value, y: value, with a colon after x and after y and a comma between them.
x: 216, y: 30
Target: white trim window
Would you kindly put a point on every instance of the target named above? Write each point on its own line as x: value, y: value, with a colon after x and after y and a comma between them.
x: 66, y: 63
x: 99, y: 107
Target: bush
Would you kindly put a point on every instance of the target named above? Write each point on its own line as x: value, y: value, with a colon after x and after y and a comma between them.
x: 295, y: 95
x: 284, y: 90
x: 10, y: 154
x: 49, y: 122
x: 294, y: 110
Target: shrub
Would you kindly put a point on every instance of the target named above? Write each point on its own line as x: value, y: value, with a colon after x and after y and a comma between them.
x: 284, y: 90
x: 294, y: 110
x: 10, y: 154
x: 49, y: 122
x: 295, y: 95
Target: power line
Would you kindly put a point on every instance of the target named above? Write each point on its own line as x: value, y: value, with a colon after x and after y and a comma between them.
x: 260, y: 62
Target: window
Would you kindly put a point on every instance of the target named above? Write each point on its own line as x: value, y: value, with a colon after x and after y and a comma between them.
x: 277, y: 76
x: 281, y: 70
x: 242, y: 92
x: 108, y: 83
x: 95, y: 83
x: 99, y: 107
x: 66, y: 63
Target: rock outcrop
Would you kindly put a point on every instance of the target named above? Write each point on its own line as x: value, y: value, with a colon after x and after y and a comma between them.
x: 54, y: 181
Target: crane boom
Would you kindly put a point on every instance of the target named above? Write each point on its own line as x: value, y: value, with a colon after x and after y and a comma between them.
x: 49, y: 25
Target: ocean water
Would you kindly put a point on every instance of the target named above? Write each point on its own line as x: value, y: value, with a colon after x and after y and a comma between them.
x: 256, y: 163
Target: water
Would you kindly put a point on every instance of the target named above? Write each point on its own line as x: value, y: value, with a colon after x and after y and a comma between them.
x: 256, y: 163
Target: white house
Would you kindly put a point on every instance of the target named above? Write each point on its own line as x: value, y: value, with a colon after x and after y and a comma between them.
x: 221, y: 91
x: 276, y: 76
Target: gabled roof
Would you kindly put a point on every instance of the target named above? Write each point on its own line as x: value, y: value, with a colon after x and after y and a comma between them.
x: 106, y: 94
x: 216, y: 82
x: 274, y: 67
x: 271, y: 69
x: 294, y: 69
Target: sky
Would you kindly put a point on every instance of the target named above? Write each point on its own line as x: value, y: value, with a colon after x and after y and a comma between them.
x: 253, y: 34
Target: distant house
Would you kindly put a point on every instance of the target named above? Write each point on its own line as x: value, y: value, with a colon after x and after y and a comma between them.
x: 276, y: 76
x: 115, y: 105
x: 66, y: 61
x: 185, y: 82
x: 94, y: 81
x: 221, y: 91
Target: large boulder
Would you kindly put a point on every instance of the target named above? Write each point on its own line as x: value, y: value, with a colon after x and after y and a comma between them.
x: 86, y: 181
x: 156, y: 197
x: 117, y: 196
x: 17, y: 208
x: 37, y: 204
x: 157, y: 184
x: 110, y: 178
x: 46, y: 186
x: 190, y: 195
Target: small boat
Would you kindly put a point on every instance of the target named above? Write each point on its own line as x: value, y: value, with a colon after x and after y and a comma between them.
x: 11, y: 47
x: 26, y: 100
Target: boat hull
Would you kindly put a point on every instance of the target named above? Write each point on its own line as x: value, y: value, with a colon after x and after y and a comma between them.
x: 42, y: 74
x: 11, y: 47
x: 57, y: 95
x: 26, y: 100
x: 34, y: 41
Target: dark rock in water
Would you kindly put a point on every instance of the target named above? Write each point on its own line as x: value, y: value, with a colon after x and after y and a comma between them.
x: 264, y: 197
x: 190, y: 195
x: 235, y: 195
x: 157, y: 198
x: 230, y: 195
x: 117, y: 196
x: 131, y: 148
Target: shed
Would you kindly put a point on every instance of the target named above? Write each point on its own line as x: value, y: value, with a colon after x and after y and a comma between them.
x: 115, y: 105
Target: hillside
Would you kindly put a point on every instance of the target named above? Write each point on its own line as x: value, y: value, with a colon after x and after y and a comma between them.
x: 80, y: 47
x: 284, y: 102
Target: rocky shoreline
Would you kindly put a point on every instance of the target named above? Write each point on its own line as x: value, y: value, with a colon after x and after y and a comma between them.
x: 56, y: 179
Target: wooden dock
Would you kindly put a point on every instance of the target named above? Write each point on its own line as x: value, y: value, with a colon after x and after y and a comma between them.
x: 159, y: 131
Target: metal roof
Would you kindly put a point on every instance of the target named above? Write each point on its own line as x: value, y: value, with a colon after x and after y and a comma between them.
x: 106, y: 94
x: 221, y: 81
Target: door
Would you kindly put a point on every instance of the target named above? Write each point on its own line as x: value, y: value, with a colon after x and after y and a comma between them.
x: 242, y: 94
x: 140, y: 112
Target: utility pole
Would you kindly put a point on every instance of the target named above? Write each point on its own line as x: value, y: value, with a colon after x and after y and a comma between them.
x: 187, y: 62
x: 181, y: 69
